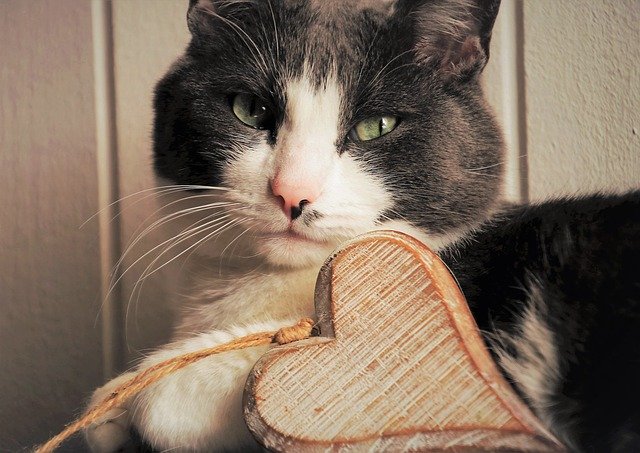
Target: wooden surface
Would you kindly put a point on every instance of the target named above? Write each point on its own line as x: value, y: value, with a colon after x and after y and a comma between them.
x: 399, y: 365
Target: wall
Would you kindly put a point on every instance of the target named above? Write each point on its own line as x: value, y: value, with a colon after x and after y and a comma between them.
x: 582, y: 95
x: 50, y: 339
x: 75, y: 107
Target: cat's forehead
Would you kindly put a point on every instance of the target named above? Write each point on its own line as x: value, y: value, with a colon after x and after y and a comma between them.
x: 261, y: 45
x: 333, y: 37
x: 341, y: 6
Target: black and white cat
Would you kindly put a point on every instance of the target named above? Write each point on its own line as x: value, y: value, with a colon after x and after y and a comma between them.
x: 307, y: 122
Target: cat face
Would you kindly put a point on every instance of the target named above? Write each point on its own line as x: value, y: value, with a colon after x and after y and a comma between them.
x: 326, y: 119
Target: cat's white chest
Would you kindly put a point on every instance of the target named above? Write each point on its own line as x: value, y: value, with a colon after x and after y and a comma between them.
x: 220, y: 301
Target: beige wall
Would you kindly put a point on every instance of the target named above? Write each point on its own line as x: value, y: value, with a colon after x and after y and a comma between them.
x: 50, y: 344
x: 75, y: 116
x: 148, y: 36
x: 582, y: 81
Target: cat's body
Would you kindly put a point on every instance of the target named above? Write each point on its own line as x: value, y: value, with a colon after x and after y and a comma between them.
x: 555, y: 290
x: 369, y: 115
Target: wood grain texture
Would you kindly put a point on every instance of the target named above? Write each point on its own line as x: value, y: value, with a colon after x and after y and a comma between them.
x: 399, y: 365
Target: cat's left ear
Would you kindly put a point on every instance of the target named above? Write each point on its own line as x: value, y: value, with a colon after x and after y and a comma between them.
x: 453, y: 35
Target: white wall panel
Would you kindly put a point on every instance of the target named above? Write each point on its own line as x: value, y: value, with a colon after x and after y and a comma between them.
x: 503, y: 81
x: 50, y: 352
x: 148, y: 35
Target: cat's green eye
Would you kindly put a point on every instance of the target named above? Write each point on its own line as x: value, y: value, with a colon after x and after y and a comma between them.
x: 252, y: 111
x: 374, y: 127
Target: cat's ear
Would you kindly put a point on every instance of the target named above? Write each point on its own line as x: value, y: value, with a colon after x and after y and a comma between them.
x: 453, y: 35
x: 204, y: 15
x: 200, y: 15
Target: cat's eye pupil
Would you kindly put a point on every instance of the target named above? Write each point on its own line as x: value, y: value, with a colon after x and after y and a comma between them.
x: 257, y: 110
x: 252, y: 111
x: 373, y: 128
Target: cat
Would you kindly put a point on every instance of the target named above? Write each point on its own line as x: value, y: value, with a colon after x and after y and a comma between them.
x: 308, y: 122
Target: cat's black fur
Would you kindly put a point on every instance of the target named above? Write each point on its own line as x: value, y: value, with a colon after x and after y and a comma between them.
x: 580, y: 257
x: 584, y: 254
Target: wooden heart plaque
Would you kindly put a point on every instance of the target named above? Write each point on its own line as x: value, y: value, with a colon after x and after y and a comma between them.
x: 399, y: 365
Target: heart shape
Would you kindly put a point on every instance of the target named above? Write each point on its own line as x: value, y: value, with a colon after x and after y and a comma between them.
x: 399, y: 365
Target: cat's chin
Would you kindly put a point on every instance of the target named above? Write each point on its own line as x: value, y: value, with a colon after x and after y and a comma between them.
x: 294, y: 251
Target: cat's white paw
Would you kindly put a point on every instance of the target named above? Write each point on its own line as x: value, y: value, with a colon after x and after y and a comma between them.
x: 111, y: 432
x: 198, y: 408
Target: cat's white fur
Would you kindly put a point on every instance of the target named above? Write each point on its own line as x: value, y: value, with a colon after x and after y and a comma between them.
x: 534, y: 368
x: 200, y: 407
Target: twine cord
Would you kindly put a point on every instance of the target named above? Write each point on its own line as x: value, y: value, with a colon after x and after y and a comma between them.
x: 300, y: 331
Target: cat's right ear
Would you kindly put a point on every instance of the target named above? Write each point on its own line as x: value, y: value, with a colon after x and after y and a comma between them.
x: 200, y: 15
x: 204, y: 17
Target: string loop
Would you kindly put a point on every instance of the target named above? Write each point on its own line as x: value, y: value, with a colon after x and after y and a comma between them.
x: 300, y: 331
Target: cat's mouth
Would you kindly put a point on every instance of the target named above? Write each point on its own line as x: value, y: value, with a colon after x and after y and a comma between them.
x: 292, y: 237
x: 294, y: 249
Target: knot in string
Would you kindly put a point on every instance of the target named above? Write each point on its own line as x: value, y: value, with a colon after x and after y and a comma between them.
x: 300, y: 331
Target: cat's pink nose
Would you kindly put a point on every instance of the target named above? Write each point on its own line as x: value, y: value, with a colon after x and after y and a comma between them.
x: 293, y: 197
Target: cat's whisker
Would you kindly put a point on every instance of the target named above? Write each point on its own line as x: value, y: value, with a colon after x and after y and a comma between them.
x: 161, y: 190
x: 184, y: 235
x: 391, y: 71
x: 177, y: 216
x: 162, y: 221
x: 195, y: 187
x: 242, y: 221
x: 175, y: 448
x: 483, y: 174
x: 366, y: 55
x: 275, y: 29
x: 118, y: 201
x: 497, y: 164
x: 150, y: 270
x: 181, y: 200
x: 253, y: 238
x: 267, y: 41
x: 174, y: 215
x: 234, y: 240
x: 147, y: 273
x: 116, y: 278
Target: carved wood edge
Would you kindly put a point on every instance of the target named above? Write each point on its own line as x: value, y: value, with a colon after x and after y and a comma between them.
x: 531, y: 436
